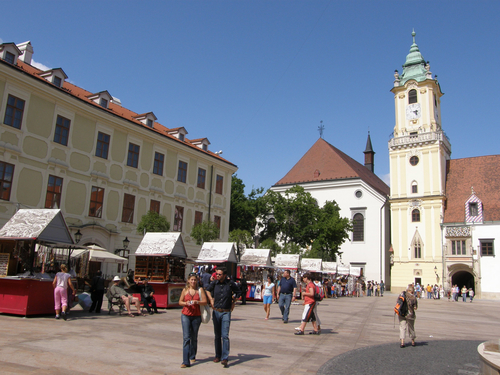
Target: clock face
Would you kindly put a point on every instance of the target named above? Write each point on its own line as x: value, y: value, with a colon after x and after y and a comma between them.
x: 413, y: 111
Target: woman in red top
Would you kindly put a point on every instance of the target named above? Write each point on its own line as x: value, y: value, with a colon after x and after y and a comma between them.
x: 309, y: 303
x: 191, y: 299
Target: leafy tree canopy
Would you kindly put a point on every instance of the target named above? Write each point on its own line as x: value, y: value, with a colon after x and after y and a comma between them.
x: 243, y: 239
x: 153, y: 222
x: 294, y: 219
x: 244, y: 209
x: 206, y: 231
x: 269, y: 243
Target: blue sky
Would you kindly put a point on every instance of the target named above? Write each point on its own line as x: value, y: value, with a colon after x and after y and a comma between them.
x: 257, y: 77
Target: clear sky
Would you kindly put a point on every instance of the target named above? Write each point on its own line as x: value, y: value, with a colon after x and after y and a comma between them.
x: 257, y: 77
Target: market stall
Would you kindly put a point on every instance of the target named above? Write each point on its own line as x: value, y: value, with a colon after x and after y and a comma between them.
x: 28, y: 262
x: 221, y: 254
x: 86, y: 261
x: 160, y: 258
x: 289, y: 262
x: 255, y: 265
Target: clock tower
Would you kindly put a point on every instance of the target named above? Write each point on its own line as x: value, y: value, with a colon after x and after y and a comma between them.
x: 418, y: 152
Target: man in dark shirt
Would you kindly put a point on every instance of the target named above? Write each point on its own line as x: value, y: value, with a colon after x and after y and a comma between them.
x: 96, y: 292
x: 286, y: 292
x: 205, y: 278
x: 147, y: 296
x: 222, y: 295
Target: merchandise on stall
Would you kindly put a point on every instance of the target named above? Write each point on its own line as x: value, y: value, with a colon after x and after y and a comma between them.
x: 255, y: 265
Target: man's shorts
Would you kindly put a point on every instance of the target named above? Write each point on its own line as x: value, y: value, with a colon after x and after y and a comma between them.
x: 308, y: 314
x: 267, y: 300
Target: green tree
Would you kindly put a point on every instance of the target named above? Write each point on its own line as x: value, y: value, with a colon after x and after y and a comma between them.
x: 243, y: 240
x: 269, y: 243
x: 153, y: 222
x: 289, y: 217
x: 205, y: 232
x: 244, y: 209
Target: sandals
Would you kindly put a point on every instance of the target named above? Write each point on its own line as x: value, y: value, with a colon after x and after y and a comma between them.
x: 131, y: 315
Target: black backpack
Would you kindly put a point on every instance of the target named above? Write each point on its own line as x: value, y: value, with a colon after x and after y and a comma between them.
x: 401, y: 307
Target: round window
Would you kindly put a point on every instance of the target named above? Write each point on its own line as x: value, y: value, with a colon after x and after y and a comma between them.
x: 414, y: 160
x: 358, y: 193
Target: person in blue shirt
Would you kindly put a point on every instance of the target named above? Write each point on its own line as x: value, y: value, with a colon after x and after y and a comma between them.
x: 286, y: 292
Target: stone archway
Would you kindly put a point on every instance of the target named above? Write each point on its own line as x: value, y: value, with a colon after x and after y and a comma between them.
x: 462, y: 278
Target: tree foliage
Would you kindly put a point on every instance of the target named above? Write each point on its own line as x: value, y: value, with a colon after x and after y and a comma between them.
x: 243, y: 240
x: 205, y: 232
x: 244, y: 209
x: 294, y: 219
x: 269, y: 243
x: 153, y: 222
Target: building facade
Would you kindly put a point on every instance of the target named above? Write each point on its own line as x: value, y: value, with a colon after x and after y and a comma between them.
x: 444, y: 213
x: 330, y: 175
x: 102, y: 164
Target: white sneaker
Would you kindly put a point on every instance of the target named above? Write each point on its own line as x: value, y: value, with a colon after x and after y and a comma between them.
x: 297, y: 328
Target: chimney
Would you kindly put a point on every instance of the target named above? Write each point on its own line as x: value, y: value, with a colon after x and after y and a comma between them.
x: 26, y: 52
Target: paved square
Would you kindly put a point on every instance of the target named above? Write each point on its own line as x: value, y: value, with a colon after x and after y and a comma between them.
x: 112, y: 344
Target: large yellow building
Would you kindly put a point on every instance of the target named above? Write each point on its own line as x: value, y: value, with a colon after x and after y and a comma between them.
x: 102, y: 164
x: 418, y: 153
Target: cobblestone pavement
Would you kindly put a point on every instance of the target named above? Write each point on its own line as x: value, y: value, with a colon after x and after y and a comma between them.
x: 359, y: 335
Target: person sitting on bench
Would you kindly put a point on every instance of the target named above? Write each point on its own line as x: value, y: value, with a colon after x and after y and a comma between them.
x: 116, y: 291
x: 147, y: 296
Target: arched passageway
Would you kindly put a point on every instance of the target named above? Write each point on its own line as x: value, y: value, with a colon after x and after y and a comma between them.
x: 462, y: 278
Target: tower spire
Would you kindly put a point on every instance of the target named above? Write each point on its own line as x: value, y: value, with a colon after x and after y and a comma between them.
x: 369, y: 154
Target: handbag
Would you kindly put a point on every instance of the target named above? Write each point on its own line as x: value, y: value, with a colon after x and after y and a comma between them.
x: 206, y: 311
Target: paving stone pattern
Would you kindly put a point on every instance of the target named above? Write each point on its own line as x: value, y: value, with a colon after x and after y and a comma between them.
x: 359, y: 335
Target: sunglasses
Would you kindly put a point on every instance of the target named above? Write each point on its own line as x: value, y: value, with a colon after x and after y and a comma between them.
x: 193, y: 274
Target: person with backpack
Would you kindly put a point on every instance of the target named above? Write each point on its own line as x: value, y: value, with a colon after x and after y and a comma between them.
x: 405, y: 308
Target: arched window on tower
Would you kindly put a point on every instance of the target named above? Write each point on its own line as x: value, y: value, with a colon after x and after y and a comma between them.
x: 358, y: 228
x: 412, y: 96
x: 414, y: 187
x: 415, y: 215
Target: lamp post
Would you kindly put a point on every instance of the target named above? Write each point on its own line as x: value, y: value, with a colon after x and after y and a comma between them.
x: 78, y: 237
x: 124, y: 252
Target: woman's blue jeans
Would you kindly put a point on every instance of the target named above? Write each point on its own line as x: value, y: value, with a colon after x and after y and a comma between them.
x: 190, y: 327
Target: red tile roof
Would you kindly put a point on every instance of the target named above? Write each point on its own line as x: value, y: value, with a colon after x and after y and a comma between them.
x: 323, y: 162
x: 113, y: 108
x: 481, y: 173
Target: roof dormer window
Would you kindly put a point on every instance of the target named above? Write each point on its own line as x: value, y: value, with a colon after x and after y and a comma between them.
x: 10, y: 53
x: 10, y: 57
x: 55, y: 76
x: 201, y: 143
x: 101, y: 98
x: 147, y: 119
x: 178, y: 133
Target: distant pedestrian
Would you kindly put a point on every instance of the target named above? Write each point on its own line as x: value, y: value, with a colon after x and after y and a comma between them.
x: 244, y: 289
x: 408, y: 322
x: 464, y: 294
x: 269, y: 294
x: 286, y: 293
x: 382, y: 288
x: 61, y: 282
x: 471, y: 294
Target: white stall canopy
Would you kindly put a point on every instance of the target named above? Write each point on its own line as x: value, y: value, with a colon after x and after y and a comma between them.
x: 311, y: 264
x: 342, y: 270
x: 162, y: 244
x: 329, y: 267
x: 37, y: 224
x: 101, y: 256
x: 217, y: 252
x: 287, y: 261
x: 256, y: 258
x: 355, y: 271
